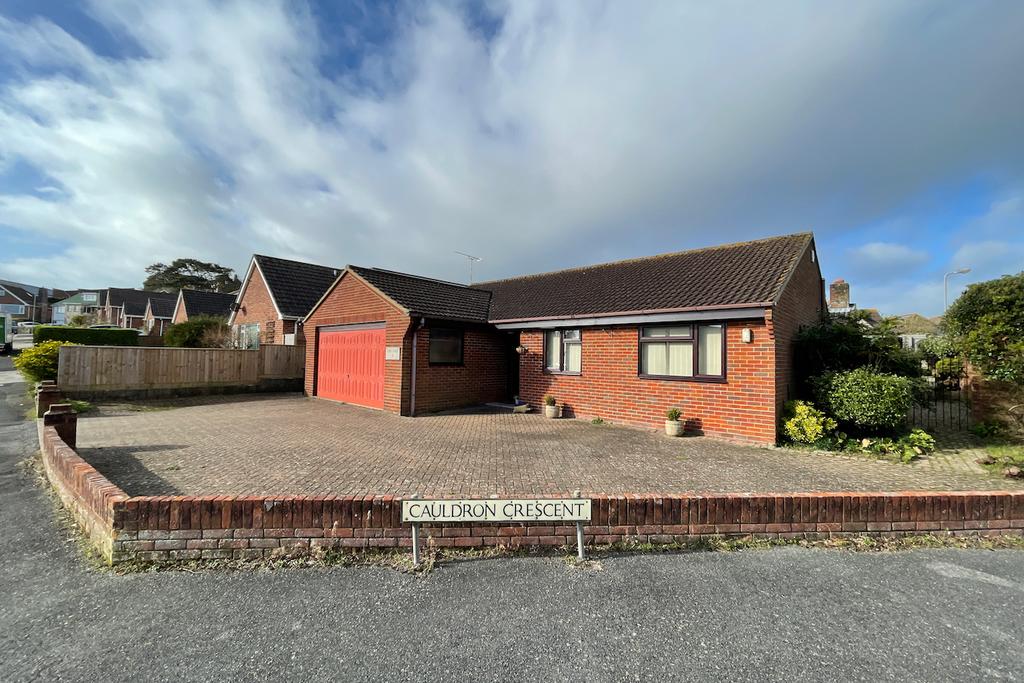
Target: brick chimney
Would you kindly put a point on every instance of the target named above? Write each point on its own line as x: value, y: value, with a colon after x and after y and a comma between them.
x: 839, y: 294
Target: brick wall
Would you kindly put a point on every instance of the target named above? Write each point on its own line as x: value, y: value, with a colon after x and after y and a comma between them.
x: 609, y: 387
x: 256, y: 306
x: 480, y: 379
x: 169, y: 528
x: 180, y: 315
x: 353, y: 301
x: 802, y: 303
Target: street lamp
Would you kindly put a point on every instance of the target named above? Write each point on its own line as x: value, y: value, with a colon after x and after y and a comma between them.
x: 945, y: 286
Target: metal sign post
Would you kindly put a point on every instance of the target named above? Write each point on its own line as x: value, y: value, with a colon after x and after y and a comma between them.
x: 416, y: 511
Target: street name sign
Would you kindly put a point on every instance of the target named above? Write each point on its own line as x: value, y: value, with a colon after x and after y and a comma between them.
x: 490, y: 510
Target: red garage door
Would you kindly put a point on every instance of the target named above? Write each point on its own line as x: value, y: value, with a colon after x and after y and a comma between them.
x: 350, y: 365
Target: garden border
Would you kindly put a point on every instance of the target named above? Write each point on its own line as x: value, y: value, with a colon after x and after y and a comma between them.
x: 177, y: 528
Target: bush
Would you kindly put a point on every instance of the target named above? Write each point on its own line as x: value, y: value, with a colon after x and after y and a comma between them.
x: 673, y: 414
x: 86, y: 335
x: 866, y: 400
x: 806, y: 424
x: 40, y: 362
x: 987, y: 322
x: 549, y: 400
x: 198, y: 332
x: 921, y: 440
x: 948, y: 371
x: 936, y: 347
x: 843, y: 342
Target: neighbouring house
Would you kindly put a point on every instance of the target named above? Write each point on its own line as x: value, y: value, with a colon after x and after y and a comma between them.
x: 708, y: 331
x: 913, y: 328
x: 157, y: 316
x: 84, y: 302
x: 24, y: 303
x: 275, y: 295
x: 127, y: 307
x: 193, y: 302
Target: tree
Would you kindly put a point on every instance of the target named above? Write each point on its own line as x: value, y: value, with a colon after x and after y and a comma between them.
x: 987, y: 322
x: 187, y: 273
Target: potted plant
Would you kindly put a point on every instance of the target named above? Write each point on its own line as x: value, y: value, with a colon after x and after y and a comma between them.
x: 673, y: 427
x: 550, y: 409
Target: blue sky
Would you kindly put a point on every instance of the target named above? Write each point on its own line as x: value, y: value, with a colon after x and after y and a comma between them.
x: 536, y: 135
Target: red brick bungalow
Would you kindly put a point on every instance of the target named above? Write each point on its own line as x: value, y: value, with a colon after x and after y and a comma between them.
x: 157, y: 316
x: 708, y: 331
x: 275, y: 294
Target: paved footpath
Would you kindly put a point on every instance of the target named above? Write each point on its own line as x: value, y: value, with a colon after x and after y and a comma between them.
x: 781, y: 614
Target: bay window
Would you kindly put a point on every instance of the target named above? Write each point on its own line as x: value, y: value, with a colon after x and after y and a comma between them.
x: 563, y: 351
x: 683, y: 351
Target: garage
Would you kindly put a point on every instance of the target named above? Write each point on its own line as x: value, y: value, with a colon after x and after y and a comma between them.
x: 350, y: 364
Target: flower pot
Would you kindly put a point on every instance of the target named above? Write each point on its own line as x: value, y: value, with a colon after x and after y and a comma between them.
x: 673, y: 427
x: 550, y: 411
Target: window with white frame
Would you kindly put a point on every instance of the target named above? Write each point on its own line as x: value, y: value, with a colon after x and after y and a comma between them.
x: 563, y: 351
x: 247, y: 336
x: 683, y: 351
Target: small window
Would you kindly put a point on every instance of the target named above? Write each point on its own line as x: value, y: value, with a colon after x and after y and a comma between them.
x: 672, y: 351
x: 247, y: 336
x: 563, y: 351
x: 89, y: 298
x: 445, y: 346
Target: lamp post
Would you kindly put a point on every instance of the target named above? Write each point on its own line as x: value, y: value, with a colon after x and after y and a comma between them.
x: 945, y: 286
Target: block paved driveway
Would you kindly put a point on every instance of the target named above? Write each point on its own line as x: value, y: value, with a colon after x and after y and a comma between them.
x: 289, y: 444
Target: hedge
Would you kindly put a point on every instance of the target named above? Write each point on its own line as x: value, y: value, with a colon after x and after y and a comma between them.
x: 88, y: 336
x: 866, y: 400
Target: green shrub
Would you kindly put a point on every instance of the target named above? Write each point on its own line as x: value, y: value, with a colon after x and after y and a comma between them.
x: 949, y: 370
x: 198, y: 332
x: 39, y: 362
x: 86, y: 335
x: 549, y: 400
x: 920, y: 440
x: 866, y: 400
x: 673, y: 414
x: 806, y: 424
x: 937, y: 347
x: 988, y: 430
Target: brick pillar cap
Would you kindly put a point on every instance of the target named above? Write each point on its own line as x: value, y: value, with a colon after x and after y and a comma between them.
x: 60, y: 409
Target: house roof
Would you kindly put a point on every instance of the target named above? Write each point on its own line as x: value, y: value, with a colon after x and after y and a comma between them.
x: 295, y: 286
x: 216, y: 304
x: 79, y: 299
x: 18, y: 292
x: 732, y: 275
x: 134, y: 300
x: 915, y: 323
x: 161, y: 308
x: 427, y: 297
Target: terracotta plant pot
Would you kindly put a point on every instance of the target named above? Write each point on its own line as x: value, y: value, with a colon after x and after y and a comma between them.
x: 673, y: 427
x: 550, y: 411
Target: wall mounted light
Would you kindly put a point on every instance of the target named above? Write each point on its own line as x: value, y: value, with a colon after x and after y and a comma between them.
x: 521, y: 349
x: 747, y: 335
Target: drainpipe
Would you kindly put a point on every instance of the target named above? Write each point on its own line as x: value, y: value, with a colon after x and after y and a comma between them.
x: 412, y: 392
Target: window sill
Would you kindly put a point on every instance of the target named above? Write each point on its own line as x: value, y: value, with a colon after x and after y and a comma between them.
x: 673, y: 378
x: 560, y: 372
x: 446, y: 365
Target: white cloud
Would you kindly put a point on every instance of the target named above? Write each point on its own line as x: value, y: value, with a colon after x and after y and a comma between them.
x: 579, y: 132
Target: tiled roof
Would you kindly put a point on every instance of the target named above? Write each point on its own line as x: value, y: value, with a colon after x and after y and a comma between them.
x: 746, y: 273
x: 217, y: 304
x: 295, y: 286
x: 134, y: 300
x: 18, y: 292
x: 162, y: 308
x: 429, y: 298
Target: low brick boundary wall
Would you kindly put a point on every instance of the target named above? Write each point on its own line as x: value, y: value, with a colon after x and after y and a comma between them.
x: 169, y: 528
x: 89, y: 496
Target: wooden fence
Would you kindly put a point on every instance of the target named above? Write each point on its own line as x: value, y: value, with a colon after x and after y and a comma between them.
x: 119, y: 369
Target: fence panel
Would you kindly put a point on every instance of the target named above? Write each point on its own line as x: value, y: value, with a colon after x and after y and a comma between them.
x: 127, y: 368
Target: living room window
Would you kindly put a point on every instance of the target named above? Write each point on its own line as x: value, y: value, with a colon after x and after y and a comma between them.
x: 445, y: 346
x: 563, y: 351
x: 683, y: 351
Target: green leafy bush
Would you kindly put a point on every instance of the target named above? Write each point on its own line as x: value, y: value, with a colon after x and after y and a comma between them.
x: 673, y: 414
x: 866, y: 400
x: 198, y: 332
x: 844, y: 342
x: 549, y: 400
x: 88, y: 336
x: 806, y: 424
x: 987, y: 322
x: 936, y: 347
x: 988, y: 429
x: 39, y: 362
x: 920, y: 439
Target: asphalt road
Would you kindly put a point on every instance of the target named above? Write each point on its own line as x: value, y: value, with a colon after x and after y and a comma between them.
x: 778, y: 614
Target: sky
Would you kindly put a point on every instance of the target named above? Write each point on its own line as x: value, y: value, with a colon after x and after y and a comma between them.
x: 535, y: 135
